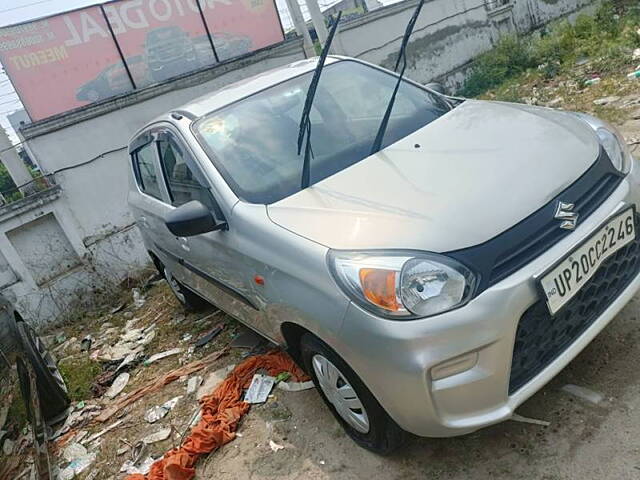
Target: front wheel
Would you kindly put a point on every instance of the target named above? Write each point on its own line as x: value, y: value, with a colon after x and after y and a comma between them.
x: 350, y: 401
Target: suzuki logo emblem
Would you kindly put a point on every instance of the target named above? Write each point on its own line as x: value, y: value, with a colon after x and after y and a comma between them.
x: 565, y: 213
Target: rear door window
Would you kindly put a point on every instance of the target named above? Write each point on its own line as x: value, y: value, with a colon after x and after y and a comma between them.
x: 146, y: 172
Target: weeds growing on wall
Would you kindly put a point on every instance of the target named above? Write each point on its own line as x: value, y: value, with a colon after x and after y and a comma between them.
x: 606, y: 38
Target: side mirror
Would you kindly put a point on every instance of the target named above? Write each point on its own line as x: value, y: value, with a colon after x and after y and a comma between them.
x: 437, y: 87
x: 190, y: 219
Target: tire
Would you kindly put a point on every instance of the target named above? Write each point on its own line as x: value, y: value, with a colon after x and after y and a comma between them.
x: 51, y: 386
x: 41, y: 456
x: 370, y: 426
x: 191, y: 301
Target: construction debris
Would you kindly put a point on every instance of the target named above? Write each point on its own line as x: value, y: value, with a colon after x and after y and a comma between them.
x: 156, y: 413
x: 142, y: 468
x: 193, y: 384
x: 274, y: 446
x: 295, y: 386
x: 118, y: 385
x: 583, y: 393
x: 207, y: 337
x: 156, y: 385
x: 102, y: 432
x: 222, y: 410
x: 519, y: 418
x: 158, y: 436
x: 161, y: 355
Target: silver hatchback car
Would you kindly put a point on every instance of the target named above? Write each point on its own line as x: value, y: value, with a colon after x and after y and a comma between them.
x: 431, y: 287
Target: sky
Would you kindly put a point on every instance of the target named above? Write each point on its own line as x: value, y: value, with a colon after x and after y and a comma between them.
x: 17, y: 11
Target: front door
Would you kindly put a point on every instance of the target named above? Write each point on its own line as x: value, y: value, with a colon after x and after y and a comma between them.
x: 210, y: 264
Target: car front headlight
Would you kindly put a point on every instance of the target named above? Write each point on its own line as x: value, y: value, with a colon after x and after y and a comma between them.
x: 611, y: 140
x: 401, y: 284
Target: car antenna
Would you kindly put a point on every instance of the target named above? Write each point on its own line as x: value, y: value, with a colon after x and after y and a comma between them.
x: 402, y: 57
x: 305, y: 120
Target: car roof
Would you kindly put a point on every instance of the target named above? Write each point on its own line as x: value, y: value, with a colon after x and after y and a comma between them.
x: 244, y: 88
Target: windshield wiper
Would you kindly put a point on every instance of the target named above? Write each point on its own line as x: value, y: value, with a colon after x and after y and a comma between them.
x: 402, y: 57
x: 305, y: 121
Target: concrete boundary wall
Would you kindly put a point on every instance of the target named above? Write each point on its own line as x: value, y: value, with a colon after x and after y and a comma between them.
x: 449, y: 34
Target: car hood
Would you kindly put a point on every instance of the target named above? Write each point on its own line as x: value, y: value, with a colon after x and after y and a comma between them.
x: 458, y: 182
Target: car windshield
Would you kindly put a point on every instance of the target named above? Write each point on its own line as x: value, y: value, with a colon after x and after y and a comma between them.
x: 253, y: 142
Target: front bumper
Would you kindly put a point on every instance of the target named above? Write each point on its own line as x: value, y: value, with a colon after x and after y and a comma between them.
x: 449, y: 375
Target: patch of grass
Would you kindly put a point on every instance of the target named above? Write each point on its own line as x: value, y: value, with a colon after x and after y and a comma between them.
x: 607, y: 39
x: 79, y: 374
x: 18, y: 409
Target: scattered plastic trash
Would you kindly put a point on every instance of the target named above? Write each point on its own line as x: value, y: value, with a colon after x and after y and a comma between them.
x: 534, y: 421
x: 85, y: 344
x: 158, y: 436
x: 7, y: 447
x: 274, y: 446
x: 296, y: 386
x: 187, y: 337
x: 61, y: 338
x: 157, y: 384
x: 583, y: 393
x: 138, y: 298
x: 223, y: 409
x: 593, y: 81
x: 102, y: 432
x: 193, y: 384
x: 156, y: 413
x: 283, y: 377
x: 73, y: 451
x: 606, y: 100
x: 260, y: 388
x: 207, y: 337
x: 77, y: 466
x: 634, y: 75
x: 118, y: 385
x: 142, y: 469
x: 161, y: 355
x: 4, y: 412
x: 636, y: 54
x: 118, y: 308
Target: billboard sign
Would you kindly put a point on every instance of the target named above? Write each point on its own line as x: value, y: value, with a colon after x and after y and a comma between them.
x: 77, y: 58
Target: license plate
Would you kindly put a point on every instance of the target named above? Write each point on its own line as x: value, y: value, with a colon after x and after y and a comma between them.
x: 563, y: 281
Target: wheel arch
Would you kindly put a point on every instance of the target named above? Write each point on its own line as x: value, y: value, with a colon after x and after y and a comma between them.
x: 292, y: 334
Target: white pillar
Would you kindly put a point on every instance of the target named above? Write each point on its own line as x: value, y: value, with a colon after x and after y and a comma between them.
x: 301, y: 26
x: 14, y: 164
x: 318, y: 21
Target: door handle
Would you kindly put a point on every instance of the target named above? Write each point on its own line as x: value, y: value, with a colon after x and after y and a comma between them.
x: 184, y: 244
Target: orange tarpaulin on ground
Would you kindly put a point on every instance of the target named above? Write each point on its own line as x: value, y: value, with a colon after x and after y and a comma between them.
x: 221, y: 412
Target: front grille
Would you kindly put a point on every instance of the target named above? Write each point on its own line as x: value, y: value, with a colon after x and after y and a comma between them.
x: 541, y: 338
x: 511, y: 250
x: 548, y: 235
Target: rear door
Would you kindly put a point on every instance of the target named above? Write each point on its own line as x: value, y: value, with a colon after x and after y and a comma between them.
x: 211, y: 264
x: 150, y: 200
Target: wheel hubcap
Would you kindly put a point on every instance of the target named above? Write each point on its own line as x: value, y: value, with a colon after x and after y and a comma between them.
x: 340, y: 393
x: 174, y: 285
